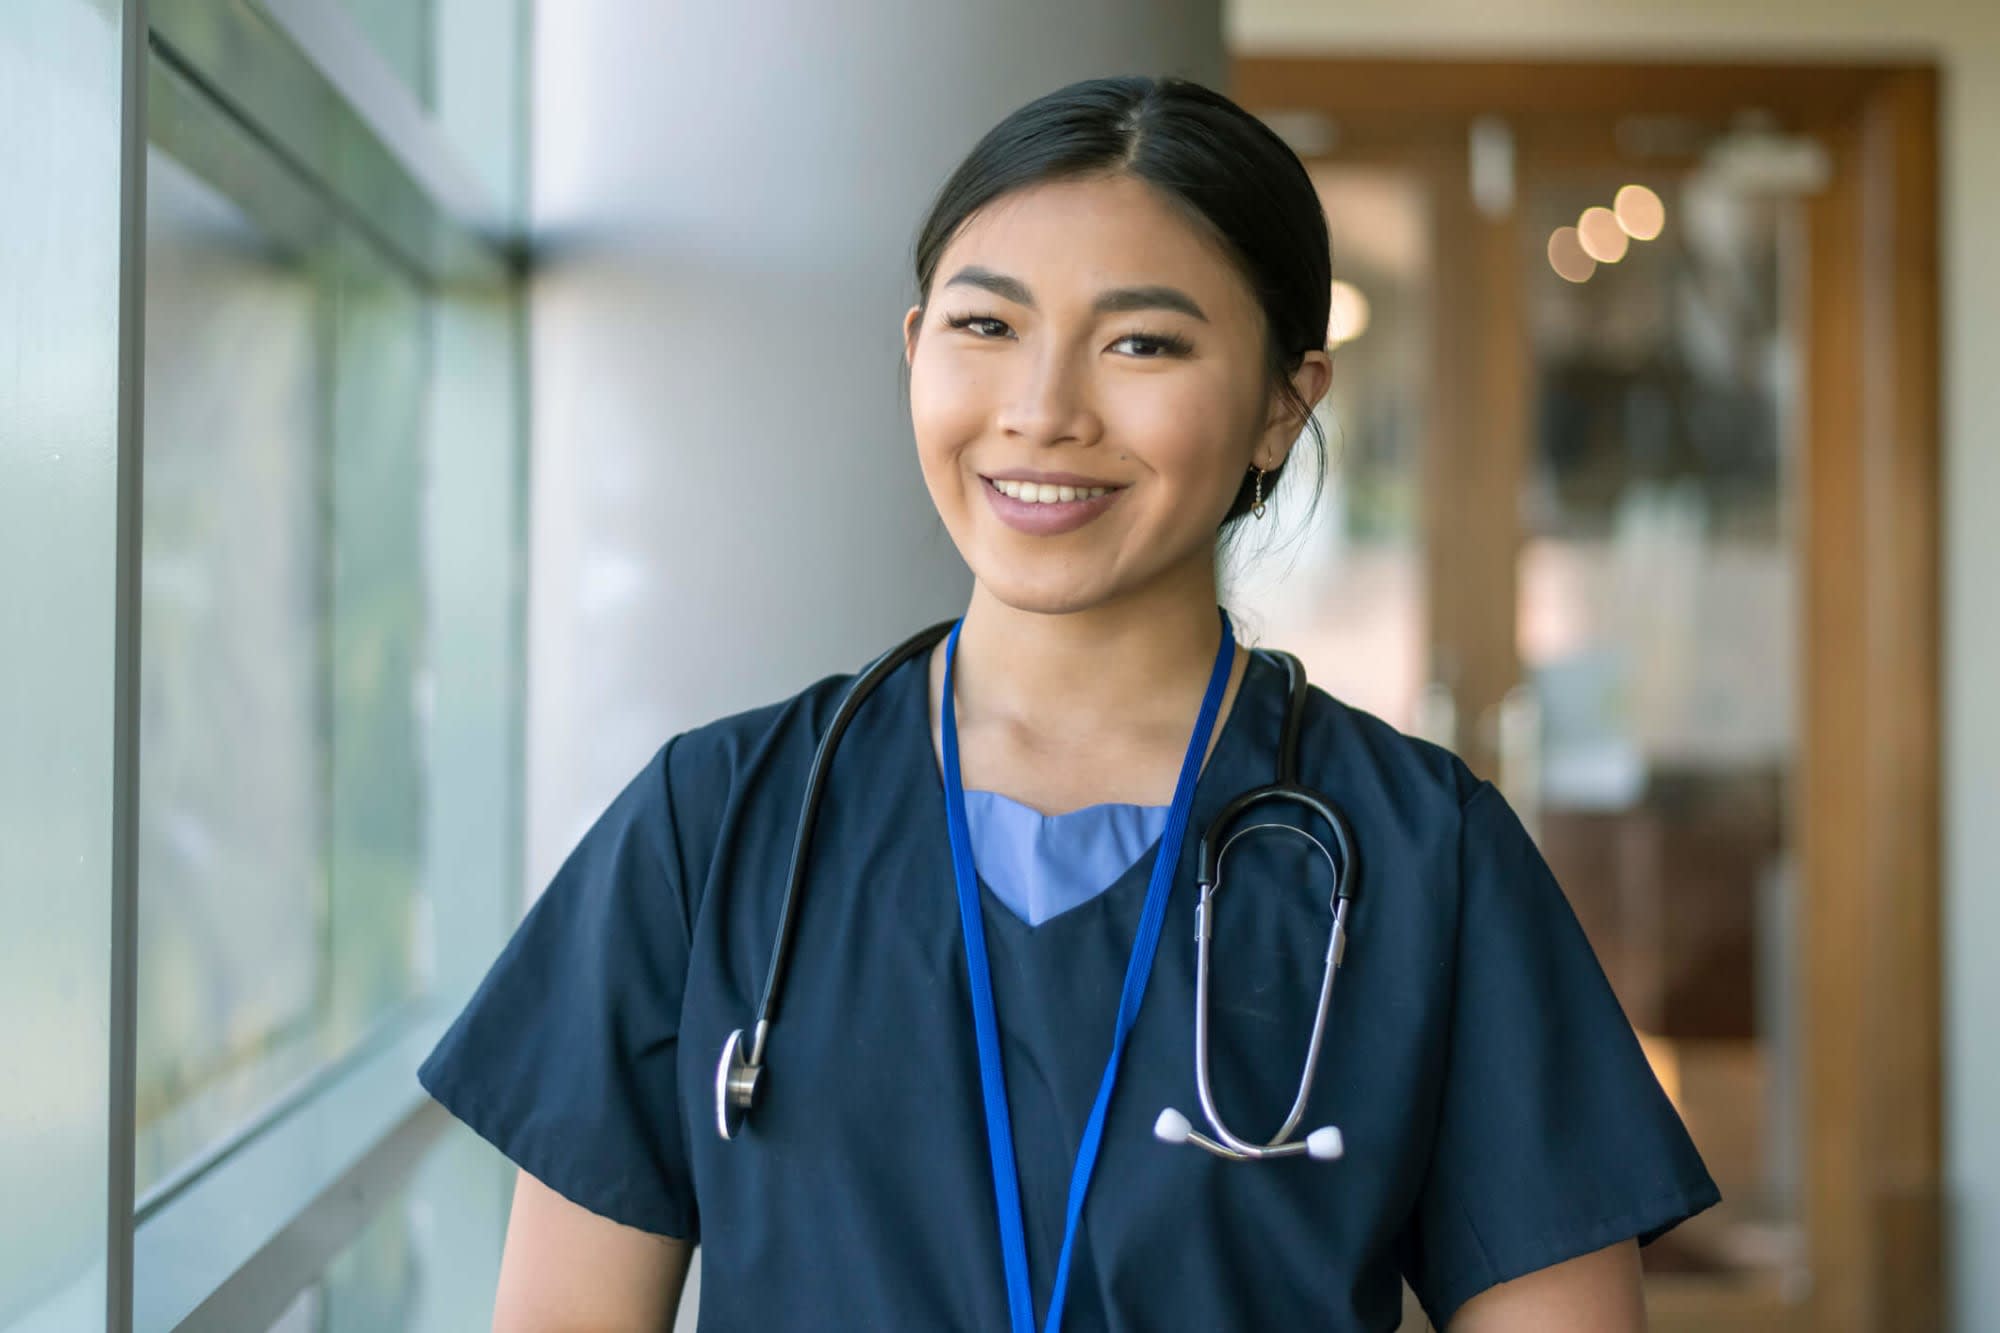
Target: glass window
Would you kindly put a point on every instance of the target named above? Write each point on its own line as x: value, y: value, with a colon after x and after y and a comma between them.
x: 328, y: 546
x: 281, y: 791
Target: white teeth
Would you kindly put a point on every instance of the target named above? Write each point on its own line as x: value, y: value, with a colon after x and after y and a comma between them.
x: 1041, y: 493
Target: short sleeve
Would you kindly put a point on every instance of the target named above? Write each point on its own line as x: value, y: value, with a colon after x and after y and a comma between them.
x: 1553, y: 1138
x: 564, y: 1057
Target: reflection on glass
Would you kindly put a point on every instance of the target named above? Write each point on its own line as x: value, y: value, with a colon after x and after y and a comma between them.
x: 280, y: 801
x: 375, y: 638
x: 1343, y: 588
x: 231, y: 836
x: 1655, y: 620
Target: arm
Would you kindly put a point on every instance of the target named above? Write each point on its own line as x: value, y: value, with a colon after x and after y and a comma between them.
x: 567, y: 1270
x: 1599, y: 1291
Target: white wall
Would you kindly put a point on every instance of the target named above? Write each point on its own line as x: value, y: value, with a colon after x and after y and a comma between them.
x: 1964, y: 35
x: 726, y: 504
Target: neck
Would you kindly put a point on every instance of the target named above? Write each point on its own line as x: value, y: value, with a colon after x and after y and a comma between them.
x: 1128, y: 667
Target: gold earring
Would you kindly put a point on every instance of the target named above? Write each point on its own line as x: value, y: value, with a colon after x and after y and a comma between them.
x: 1257, y: 501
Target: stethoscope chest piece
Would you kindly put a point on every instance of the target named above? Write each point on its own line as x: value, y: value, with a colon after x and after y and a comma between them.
x: 736, y: 1080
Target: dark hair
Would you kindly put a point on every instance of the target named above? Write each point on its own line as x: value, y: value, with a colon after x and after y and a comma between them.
x: 1223, y: 168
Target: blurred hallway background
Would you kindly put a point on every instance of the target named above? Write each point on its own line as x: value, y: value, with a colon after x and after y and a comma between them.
x: 518, y: 384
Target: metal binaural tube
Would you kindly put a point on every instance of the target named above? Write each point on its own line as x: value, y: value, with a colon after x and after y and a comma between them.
x: 1204, y: 936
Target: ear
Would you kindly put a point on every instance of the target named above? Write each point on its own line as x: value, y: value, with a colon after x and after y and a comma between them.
x: 1283, y: 424
x: 912, y: 321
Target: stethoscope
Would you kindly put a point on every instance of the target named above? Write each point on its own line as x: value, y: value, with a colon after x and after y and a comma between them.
x: 739, y: 1072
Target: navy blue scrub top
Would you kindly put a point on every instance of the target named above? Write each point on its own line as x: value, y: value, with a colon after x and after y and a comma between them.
x: 1498, y: 1113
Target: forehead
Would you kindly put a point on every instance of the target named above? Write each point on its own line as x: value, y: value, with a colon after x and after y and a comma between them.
x: 1066, y: 239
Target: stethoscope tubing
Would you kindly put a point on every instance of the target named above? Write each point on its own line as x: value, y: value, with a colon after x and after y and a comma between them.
x: 739, y: 1071
x: 781, y: 944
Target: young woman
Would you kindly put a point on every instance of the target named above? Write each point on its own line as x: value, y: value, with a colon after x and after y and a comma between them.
x: 989, y: 1003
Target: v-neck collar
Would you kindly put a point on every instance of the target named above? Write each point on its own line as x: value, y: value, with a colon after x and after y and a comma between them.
x: 1227, y: 772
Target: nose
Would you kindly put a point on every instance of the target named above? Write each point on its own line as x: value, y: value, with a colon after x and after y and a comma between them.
x: 1050, y: 401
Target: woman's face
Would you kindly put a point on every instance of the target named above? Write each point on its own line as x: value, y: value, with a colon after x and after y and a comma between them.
x: 1083, y: 333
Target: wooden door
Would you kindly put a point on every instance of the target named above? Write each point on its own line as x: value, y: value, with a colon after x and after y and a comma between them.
x: 1649, y: 537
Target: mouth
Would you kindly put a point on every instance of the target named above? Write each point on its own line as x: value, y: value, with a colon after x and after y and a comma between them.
x: 1050, y: 488
x: 1021, y: 504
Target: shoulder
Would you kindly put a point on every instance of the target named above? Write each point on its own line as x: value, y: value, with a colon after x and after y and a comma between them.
x: 708, y: 775
x: 736, y: 742
x: 1346, y: 747
x: 705, y: 763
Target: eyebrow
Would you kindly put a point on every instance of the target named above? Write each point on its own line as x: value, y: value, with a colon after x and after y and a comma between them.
x: 1112, y: 301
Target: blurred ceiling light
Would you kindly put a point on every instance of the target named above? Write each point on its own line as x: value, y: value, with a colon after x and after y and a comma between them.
x: 1601, y: 236
x: 1347, y: 313
x: 1639, y: 211
x: 1568, y: 257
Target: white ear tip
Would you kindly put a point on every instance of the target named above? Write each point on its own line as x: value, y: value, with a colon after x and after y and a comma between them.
x: 1325, y: 1143
x: 1172, y: 1127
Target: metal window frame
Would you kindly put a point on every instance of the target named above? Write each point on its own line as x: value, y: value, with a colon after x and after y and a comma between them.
x: 247, y: 59
x: 125, y: 670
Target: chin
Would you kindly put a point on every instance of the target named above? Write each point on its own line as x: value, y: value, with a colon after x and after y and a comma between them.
x: 1058, y: 596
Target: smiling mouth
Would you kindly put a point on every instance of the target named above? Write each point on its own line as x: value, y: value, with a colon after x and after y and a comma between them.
x: 1042, y: 492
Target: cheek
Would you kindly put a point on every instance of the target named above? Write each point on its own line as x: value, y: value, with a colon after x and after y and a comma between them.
x: 947, y: 408
x: 1181, y: 426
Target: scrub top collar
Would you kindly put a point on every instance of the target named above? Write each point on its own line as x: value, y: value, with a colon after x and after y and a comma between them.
x: 1245, y: 755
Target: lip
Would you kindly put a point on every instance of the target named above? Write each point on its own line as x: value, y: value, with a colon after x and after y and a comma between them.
x: 1047, y: 520
x: 1052, y: 478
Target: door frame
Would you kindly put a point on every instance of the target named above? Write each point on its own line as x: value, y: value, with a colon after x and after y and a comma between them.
x: 1866, y: 805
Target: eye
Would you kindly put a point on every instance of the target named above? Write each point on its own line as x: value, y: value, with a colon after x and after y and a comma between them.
x: 1163, y: 345
x: 969, y: 320
x: 1148, y: 346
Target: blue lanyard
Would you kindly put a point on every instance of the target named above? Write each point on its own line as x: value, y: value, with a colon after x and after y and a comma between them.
x: 992, y: 1079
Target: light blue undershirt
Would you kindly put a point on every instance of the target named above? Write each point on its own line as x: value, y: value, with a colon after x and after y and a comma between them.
x: 1042, y: 865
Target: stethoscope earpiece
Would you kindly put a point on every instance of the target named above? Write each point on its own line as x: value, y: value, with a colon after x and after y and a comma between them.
x: 1323, y: 1144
